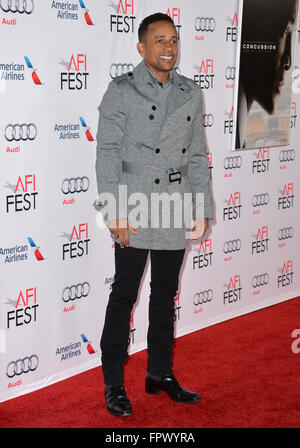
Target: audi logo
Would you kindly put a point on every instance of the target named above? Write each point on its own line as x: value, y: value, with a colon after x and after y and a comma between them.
x: 285, y: 233
x: 203, y: 297
x: 205, y: 24
x: 19, y: 132
x: 260, y: 199
x: 287, y: 155
x: 14, y: 6
x: 75, y: 185
x: 120, y: 69
x: 76, y: 291
x: 232, y: 162
x: 260, y: 280
x: 208, y: 120
x: 230, y: 73
x: 25, y: 365
x: 232, y: 246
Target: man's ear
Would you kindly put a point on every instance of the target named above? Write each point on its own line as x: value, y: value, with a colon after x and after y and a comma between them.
x: 140, y: 47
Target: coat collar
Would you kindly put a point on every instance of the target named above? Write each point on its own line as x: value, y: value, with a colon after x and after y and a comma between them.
x: 179, y: 96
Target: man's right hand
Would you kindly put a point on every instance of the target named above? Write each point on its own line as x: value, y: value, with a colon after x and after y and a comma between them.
x: 120, y: 229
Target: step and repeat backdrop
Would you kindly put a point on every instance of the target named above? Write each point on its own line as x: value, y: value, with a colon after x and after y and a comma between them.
x: 56, y: 263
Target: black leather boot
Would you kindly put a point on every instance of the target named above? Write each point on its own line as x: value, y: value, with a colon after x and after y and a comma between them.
x: 117, y: 401
x: 169, y: 384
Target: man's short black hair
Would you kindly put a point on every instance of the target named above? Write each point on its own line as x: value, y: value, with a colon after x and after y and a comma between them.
x: 157, y: 17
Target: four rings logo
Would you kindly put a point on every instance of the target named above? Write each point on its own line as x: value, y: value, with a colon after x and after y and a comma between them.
x: 287, y: 155
x: 232, y: 246
x: 260, y: 280
x: 232, y: 162
x: 205, y: 24
x: 285, y: 233
x: 75, y: 185
x: 230, y: 73
x: 19, y: 132
x: 260, y: 199
x: 120, y: 69
x: 203, y: 297
x: 76, y: 291
x: 25, y: 365
x: 19, y: 6
x: 208, y: 120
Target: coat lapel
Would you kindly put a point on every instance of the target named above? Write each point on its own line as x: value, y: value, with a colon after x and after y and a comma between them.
x: 181, y: 93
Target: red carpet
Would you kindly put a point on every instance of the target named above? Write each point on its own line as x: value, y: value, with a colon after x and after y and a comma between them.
x: 243, y: 368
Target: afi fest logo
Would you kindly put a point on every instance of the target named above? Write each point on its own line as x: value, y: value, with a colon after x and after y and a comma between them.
x: 76, y: 76
x: 233, y: 209
x: 25, y: 308
x: 231, y: 31
x: 174, y: 13
x: 205, y: 79
x: 286, y: 198
x: 24, y: 194
x: 233, y: 290
x: 228, y: 124
x: 78, y: 244
x: 261, y: 243
x: 285, y: 278
x: 35, y: 78
x: 124, y: 19
x: 204, y: 257
x: 262, y: 162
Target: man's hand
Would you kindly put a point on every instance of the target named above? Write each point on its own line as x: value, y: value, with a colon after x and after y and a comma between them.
x: 199, y: 229
x: 120, y: 229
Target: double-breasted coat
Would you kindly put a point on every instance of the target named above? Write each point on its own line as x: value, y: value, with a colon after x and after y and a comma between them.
x: 157, y: 155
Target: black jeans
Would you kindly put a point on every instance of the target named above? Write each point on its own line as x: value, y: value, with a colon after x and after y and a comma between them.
x: 129, y: 265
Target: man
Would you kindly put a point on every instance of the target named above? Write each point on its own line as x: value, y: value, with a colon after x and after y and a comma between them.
x: 150, y: 140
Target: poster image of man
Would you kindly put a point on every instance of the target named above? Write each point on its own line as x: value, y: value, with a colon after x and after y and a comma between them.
x: 265, y: 73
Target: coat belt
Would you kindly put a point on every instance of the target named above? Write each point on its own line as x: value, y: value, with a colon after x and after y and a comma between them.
x: 138, y: 170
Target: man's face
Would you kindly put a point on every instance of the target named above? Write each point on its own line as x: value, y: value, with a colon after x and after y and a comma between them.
x: 274, y: 71
x: 159, y: 48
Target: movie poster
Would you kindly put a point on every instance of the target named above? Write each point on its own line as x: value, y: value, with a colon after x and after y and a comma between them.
x: 265, y: 59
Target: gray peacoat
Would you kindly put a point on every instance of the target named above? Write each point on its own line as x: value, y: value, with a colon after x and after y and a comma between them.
x: 161, y: 173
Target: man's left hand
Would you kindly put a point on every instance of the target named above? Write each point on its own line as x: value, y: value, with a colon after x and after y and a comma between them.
x: 199, y: 229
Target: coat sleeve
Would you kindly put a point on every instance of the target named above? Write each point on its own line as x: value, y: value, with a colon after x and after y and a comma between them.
x: 198, y: 169
x: 111, y: 129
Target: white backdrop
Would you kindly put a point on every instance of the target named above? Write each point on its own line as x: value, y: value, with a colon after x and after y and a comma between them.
x: 56, y: 265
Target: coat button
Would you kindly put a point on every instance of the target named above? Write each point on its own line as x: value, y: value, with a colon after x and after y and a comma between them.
x: 188, y: 118
x: 130, y: 74
x: 157, y: 181
x: 153, y: 107
x: 151, y: 117
x: 157, y: 150
x: 184, y: 150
